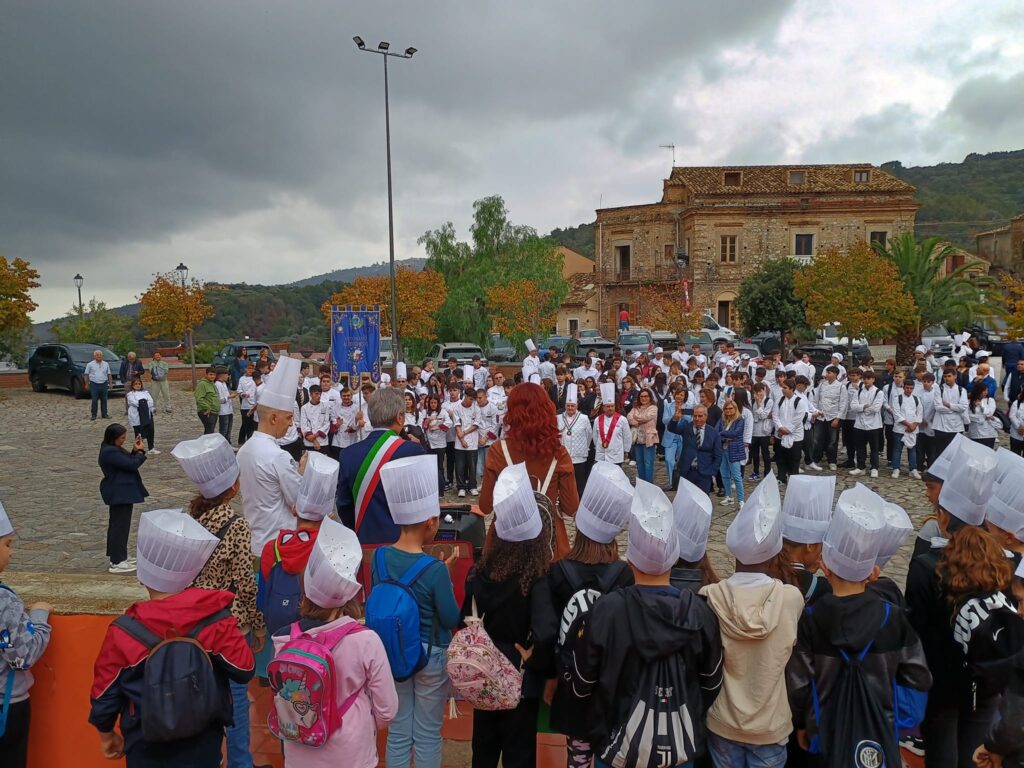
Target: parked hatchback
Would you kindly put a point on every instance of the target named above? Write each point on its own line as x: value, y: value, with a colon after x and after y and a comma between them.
x: 62, y: 366
x: 252, y: 351
x: 938, y: 339
x: 502, y: 350
x: 462, y: 352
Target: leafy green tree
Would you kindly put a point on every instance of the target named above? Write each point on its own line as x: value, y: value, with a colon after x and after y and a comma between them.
x: 97, y: 325
x: 499, y: 252
x: 954, y: 299
x: 767, y: 301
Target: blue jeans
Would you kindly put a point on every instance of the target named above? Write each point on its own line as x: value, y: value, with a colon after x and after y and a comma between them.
x: 672, y: 450
x: 416, y: 730
x: 239, y: 755
x: 645, y: 462
x: 481, y: 457
x: 732, y: 470
x: 98, y: 394
x: 897, y: 452
x: 726, y: 753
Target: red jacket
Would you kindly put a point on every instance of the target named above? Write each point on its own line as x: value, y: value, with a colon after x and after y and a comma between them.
x: 118, y: 674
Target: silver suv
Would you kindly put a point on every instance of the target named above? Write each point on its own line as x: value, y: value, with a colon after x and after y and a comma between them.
x: 635, y: 340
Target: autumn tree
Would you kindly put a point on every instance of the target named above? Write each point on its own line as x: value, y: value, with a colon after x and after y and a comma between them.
x: 420, y: 297
x: 857, y: 288
x: 658, y: 308
x: 1013, y: 292
x: 95, y: 324
x: 498, y: 253
x: 520, y: 310
x: 767, y: 302
x: 170, y: 307
x: 17, y: 278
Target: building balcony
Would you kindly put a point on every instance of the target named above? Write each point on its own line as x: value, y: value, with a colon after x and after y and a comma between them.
x: 659, y: 273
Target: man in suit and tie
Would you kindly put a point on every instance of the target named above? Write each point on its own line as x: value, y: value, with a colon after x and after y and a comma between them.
x: 702, y: 448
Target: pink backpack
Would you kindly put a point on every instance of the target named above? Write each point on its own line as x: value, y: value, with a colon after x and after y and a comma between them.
x: 479, y: 672
x: 302, y: 679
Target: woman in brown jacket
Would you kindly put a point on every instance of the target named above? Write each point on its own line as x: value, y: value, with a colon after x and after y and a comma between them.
x: 531, y: 436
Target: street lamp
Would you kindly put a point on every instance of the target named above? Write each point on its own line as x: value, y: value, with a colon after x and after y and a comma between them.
x: 383, y: 48
x: 182, y: 271
x: 79, y: 280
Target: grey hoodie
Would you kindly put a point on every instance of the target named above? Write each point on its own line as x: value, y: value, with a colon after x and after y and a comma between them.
x: 23, y: 638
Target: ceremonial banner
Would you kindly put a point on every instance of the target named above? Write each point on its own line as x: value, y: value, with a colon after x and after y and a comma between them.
x: 355, y: 342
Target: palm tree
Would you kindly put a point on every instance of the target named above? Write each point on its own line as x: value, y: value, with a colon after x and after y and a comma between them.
x: 955, y: 299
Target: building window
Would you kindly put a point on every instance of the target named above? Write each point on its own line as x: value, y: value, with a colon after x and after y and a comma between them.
x: 728, y: 249
x: 727, y: 314
x: 804, y: 245
x: 670, y: 254
x: 622, y: 262
x: 733, y: 178
x: 861, y: 177
x: 798, y: 177
x: 574, y: 325
x: 878, y: 237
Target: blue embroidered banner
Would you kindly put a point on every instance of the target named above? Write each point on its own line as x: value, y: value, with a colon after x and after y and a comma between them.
x: 355, y: 342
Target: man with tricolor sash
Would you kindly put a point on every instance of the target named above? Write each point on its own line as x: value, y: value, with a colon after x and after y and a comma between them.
x: 361, y: 503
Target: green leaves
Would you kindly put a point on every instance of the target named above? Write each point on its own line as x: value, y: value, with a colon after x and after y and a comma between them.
x: 767, y: 301
x: 97, y: 325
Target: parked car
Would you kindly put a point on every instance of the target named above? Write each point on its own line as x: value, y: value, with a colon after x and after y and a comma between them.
x: 502, y: 350
x: 665, y: 339
x: 857, y: 349
x: 938, y: 339
x: 746, y: 348
x: 821, y: 353
x: 716, y: 329
x: 707, y: 345
x: 462, y: 351
x: 63, y: 366
x: 579, y: 348
x: 635, y: 340
x: 385, y: 353
x: 252, y: 350
x: 590, y: 333
x: 767, y: 342
x: 558, y: 342
x: 991, y: 335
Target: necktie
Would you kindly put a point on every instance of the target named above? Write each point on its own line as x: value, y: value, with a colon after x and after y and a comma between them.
x: 700, y: 438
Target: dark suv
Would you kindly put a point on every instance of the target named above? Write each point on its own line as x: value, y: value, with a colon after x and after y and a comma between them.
x: 252, y: 350
x: 63, y: 366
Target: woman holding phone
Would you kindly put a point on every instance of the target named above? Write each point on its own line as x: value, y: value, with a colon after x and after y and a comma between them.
x: 121, y: 488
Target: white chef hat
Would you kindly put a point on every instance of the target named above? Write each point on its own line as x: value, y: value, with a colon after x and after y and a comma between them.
x: 897, y: 527
x: 939, y: 469
x: 608, y: 393
x: 921, y: 348
x: 692, y: 519
x: 968, y: 486
x: 516, y: 517
x: 653, y: 546
x: 755, y: 534
x: 209, y: 462
x: 658, y: 350
x: 330, y: 576
x: 604, y: 507
x: 1006, y: 507
x: 172, y: 549
x: 385, y: 378
x: 467, y: 373
x: 410, y: 486
x: 851, y: 543
x: 318, y: 487
x: 571, y: 393
x: 530, y: 345
x: 1019, y: 573
x: 5, y: 522
x: 807, y: 508
x: 982, y: 353
x: 280, y: 384
x: 400, y: 370
x: 535, y: 378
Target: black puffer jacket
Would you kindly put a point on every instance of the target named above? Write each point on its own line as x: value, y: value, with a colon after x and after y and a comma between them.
x: 1006, y: 737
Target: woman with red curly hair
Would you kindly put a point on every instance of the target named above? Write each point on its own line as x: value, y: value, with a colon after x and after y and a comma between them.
x: 531, y: 436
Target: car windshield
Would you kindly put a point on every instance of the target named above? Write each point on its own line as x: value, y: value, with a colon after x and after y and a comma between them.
x: 85, y: 355
x: 710, y: 322
x: 498, y: 341
x: 461, y: 351
x: 589, y: 333
x: 936, y: 330
x: 385, y: 345
x: 633, y: 338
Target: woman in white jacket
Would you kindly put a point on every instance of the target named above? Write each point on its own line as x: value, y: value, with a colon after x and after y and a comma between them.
x: 981, y: 410
x: 436, y: 424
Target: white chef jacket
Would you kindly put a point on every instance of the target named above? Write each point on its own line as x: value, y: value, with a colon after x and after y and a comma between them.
x: 246, y: 393
x: 132, y: 400
x: 790, y: 412
x: 315, y: 418
x: 224, y: 395
x: 437, y: 426
x: 348, y: 431
x: 546, y: 370
x: 531, y: 365
x: 449, y: 406
x: 984, y: 423
x: 867, y: 404
x: 619, y: 441
x: 466, y: 418
x: 487, y: 424
x: 831, y: 399
x: 270, y: 486
x: 576, y: 435
x: 907, y: 409
x: 949, y: 418
x: 582, y: 372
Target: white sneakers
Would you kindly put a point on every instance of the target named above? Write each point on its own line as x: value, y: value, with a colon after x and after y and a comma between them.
x: 874, y: 473
x: 154, y: 452
x: 856, y: 472
x: 474, y: 491
x: 123, y: 567
x: 814, y: 467
x: 462, y: 493
x: 833, y: 467
x: 915, y: 474
x: 727, y: 500
x: 895, y: 474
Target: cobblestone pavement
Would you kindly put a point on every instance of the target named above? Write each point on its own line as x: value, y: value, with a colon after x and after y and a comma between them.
x: 50, y: 482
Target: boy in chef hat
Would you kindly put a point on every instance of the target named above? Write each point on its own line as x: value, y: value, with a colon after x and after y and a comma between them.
x: 895, y: 531
x: 172, y: 550
x: 758, y: 615
x: 1005, y: 516
x: 806, y: 513
x: 692, y: 514
x: 857, y: 622
x: 645, y: 629
x: 410, y: 486
x: 24, y: 636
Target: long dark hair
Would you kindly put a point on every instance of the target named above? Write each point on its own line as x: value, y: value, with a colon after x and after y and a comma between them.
x: 978, y: 392
x: 112, y: 433
x: 200, y: 505
x: 529, y: 560
x: 589, y: 552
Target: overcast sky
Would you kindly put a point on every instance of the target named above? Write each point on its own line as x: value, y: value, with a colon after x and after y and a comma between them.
x: 247, y: 138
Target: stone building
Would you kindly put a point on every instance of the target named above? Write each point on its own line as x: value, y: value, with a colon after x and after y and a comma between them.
x: 713, y: 226
x: 1003, y: 247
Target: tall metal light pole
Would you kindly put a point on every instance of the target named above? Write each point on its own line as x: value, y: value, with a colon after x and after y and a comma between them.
x: 182, y: 270
x: 79, y: 280
x: 384, y: 50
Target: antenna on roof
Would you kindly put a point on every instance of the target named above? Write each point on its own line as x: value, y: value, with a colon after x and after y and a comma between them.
x: 673, y: 148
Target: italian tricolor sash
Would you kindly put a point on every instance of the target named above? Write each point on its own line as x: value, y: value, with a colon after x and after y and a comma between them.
x: 369, y: 473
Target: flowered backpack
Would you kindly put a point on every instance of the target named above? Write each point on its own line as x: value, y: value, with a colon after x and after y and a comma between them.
x: 479, y: 672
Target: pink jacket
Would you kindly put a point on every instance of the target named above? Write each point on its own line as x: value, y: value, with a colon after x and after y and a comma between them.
x: 645, y: 419
x: 360, y: 663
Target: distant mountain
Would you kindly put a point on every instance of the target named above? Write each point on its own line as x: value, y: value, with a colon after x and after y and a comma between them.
x: 579, y: 239
x: 349, y: 274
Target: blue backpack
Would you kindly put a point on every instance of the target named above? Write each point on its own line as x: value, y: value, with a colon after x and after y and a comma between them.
x: 280, y: 596
x: 393, y: 613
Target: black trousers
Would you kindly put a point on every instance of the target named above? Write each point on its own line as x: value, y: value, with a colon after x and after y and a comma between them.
x: 439, y: 454
x: 119, y: 523
x: 465, y: 469
x: 788, y: 459
x: 849, y: 442
x: 988, y: 442
x: 1017, y: 446
x: 925, y: 450
x: 867, y: 439
x: 760, y: 450
x: 826, y: 441
x: 449, y: 463
x: 509, y: 735
x: 953, y: 731
x: 582, y: 472
x: 942, y: 441
x: 14, y: 742
x: 248, y: 427
x: 209, y: 422
x: 890, y: 442
x: 808, y: 447
x: 147, y: 431
x: 202, y: 751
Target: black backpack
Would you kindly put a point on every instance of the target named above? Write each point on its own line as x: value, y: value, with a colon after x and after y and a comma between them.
x: 181, y: 695
x: 567, y: 716
x: 658, y: 729
x: 853, y: 730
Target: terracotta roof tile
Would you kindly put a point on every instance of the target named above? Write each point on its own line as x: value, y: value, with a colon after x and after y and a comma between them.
x: 582, y: 288
x: 774, y: 179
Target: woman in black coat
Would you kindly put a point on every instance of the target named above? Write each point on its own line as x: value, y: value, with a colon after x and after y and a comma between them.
x: 120, y: 488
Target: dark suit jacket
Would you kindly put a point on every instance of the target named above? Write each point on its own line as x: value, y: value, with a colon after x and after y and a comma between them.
x: 377, y: 527
x: 129, y: 371
x: 121, y: 483
x: 709, y: 456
